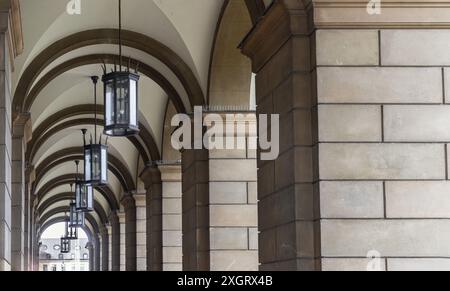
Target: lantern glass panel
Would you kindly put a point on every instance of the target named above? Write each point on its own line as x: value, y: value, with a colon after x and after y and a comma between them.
x: 76, y: 217
x: 104, y: 166
x: 133, y: 103
x: 84, y: 197
x: 87, y: 164
x: 109, y: 102
x: 122, y: 100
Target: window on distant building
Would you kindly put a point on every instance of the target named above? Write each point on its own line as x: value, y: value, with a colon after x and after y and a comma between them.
x: 45, y: 268
x: 61, y: 256
x: 54, y: 268
x: 85, y: 257
x: 72, y: 256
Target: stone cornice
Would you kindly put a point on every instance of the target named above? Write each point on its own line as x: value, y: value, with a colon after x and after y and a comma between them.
x: 13, y: 25
x: 394, y: 14
x: 284, y: 19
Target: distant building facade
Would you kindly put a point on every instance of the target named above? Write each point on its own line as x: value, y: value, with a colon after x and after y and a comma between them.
x: 51, y: 258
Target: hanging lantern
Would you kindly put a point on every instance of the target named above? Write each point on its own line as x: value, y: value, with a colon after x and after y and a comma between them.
x: 95, y: 154
x: 84, y: 195
x: 121, y: 96
x: 76, y: 217
x: 65, y: 245
x: 71, y: 232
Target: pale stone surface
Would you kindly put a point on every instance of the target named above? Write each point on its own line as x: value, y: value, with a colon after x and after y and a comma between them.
x: 415, y: 47
x: 416, y: 123
x: 225, y: 170
x: 351, y: 200
x: 391, y: 238
x: 424, y: 199
x: 350, y: 123
x: 172, y: 267
x: 172, y: 222
x: 349, y: 265
x: 171, y: 206
x: 347, y: 47
x: 422, y: 264
x: 228, y: 238
x: 172, y: 238
x: 379, y: 85
x: 234, y: 261
x: 172, y: 254
x: 381, y: 161
x: 228, y: 193
x: 171, y: 189
x: 253, y: 238
x: 233, y: 215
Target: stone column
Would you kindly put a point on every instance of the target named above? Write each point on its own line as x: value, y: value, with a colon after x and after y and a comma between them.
x: 280, y: 47
x: 91, y: 256
x: 109, y: 229
x: 195, y: 209
x: 21, y: 134
x: 122, y: 245
x: 97, y: 253
x: 105, y: 248
x: 141, y: 232
x: 171, y: 217
x: 152, y: 181
x: 115, y: 241
x: 129, y: 205
x: 233, y: 216
x: 5, y: 146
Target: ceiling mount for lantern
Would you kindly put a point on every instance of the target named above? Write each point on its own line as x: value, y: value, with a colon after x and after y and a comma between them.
x: 84, y: 194
x: 95, y: 153
x: 121, y: 95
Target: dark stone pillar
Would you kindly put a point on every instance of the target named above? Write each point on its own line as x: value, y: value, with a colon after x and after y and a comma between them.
x: 115, y: 243
x: 96, y: 254
x: 195, y: 210
x: 151, y: 177
x: 129, y: 204
x: 105, y: 248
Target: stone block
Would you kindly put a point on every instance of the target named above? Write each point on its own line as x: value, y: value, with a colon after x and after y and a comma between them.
x: 350, y: 123
x: 229, y: 238
x: 225, y: 170
x: 351, y: 200
x: 234, y: 261
x: 381, y: 161
x: 424, y: 199
x: 347, y: 47
x: 379, y: 85
x: 233, y: 215
x: 228, y: 192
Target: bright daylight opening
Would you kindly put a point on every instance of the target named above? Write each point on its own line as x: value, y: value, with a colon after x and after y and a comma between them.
x: 52, y: 259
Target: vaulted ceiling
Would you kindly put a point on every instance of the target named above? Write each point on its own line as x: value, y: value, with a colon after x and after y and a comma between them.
x: 171, y: 39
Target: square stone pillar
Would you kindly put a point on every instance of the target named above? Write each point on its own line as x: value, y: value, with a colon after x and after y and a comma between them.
x: 116, y: 241
x: 281, y: 48
x: 5, y: 145
x: 129, y: 205
x: 233, y: 211
x: 122, y: 237
x: 152, y: 181
x: 109, y: 229
x: 105, y: 248
x: 21, y: 134
x: 195, y: 207
x: 171, y: 217
x: 141, y: 232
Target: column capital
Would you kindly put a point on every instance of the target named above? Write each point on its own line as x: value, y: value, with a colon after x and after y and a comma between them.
x: 140, y: 199
x: 170, y: 173
x: 22, y: 126
x: 128, y: 202
x: 113, y: 217
x: 150, y: 175
x: 284, y: 19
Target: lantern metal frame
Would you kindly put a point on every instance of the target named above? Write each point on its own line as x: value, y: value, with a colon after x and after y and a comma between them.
x: 71, y: 232
x: 65, y: 245
x: 77, y: 218
x: 95, y: 153
x: 84, y: 194
x: 121, y: 92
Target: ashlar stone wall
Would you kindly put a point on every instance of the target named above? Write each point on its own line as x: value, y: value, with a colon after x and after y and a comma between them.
x: 383, y: 128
